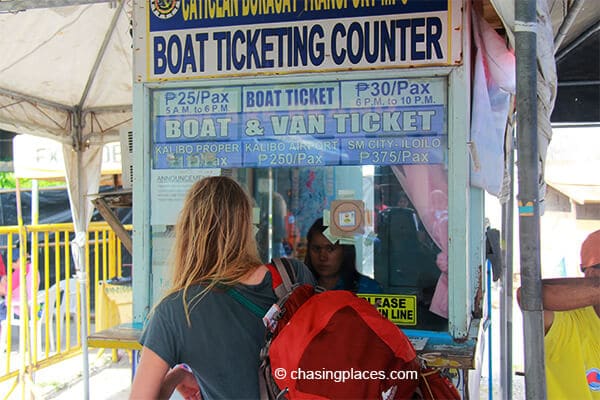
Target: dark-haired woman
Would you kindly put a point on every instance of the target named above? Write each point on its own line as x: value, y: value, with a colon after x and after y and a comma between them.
x: 334, y: 264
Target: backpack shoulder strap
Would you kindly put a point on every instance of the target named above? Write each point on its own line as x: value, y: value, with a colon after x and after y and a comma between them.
x: 246, y: 302
x: 283, y: 276
x: 283, y: 270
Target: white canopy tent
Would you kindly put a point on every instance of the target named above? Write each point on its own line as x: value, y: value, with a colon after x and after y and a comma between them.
x: 66, y: 74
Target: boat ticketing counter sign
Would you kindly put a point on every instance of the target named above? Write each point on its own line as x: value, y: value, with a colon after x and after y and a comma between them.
x: 356, y: 111
x: 209, y: 39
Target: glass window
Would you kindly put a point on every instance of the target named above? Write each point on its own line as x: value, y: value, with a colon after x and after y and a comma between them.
x: 300, y: 147
x: 404, y: 243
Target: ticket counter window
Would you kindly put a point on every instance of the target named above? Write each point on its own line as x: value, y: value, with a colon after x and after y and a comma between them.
x: 408, y: 259
x: 401, y: 245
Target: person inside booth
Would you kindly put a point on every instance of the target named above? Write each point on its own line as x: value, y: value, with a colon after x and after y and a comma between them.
x: 272, y: 226
x: 334, y: 264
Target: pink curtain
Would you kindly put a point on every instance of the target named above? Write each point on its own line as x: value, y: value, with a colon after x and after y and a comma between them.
x: 427, y: 189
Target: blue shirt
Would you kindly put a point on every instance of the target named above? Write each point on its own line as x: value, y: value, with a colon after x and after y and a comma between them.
x: 366, y: 285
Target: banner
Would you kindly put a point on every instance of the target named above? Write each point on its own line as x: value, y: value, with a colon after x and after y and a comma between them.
x: 40, y: 158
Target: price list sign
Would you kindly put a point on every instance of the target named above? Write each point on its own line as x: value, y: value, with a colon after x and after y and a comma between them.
x: 352, y: 122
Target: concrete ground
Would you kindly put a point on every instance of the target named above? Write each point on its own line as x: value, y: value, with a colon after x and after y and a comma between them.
x: 107, y: 380
x: 64, y: 380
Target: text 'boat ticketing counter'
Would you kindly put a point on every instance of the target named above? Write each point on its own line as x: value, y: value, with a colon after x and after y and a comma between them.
x: 354, y: 111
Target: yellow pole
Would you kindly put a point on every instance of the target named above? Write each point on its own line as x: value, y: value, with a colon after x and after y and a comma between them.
x: 23, y: 309
x: 33, y: 337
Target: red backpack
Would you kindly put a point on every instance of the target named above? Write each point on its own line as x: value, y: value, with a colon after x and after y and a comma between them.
x: 330, y: 345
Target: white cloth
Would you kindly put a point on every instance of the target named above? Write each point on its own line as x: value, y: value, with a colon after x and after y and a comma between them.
x: 493, y: 86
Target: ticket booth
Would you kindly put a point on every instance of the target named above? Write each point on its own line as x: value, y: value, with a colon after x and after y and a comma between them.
x: 354, y: 111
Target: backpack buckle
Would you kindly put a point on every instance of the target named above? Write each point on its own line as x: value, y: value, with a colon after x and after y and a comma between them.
x: 281, y: 394
x: 271, y: 317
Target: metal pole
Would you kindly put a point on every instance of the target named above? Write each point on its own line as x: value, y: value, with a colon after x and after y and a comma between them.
x: 77, y: 193
x: 573, y: 45
x: 505, y: 390
x: 528, y: 201
x: 506, y: 303
x: 80, y: 237
x: 82, y: 276
x: 488, y: 274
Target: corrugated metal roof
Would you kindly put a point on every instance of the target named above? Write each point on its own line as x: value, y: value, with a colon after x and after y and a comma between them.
x: 581, y: 194
x: 573, y: 162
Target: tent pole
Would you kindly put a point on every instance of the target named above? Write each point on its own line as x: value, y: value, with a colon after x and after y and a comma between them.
x: 83, y: 278
x: 22, y: 5
x: 78, y: 188
x: 82, y: 164
x: 80, y: 239
x: 567, y: 23
x: 101, y: 52
x: 528, y: 197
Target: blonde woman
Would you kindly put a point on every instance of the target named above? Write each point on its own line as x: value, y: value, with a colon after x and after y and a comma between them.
x: 198, y: 324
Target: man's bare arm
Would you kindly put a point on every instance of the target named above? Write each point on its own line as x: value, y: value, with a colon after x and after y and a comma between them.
x: 563, y: 294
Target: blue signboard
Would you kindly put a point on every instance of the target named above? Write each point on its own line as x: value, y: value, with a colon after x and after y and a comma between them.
x: 200, y: 39
x: 186, y: 14
x: 353, y: 122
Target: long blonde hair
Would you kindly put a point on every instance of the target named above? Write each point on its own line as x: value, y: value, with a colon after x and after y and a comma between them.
x: 214, y: 239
